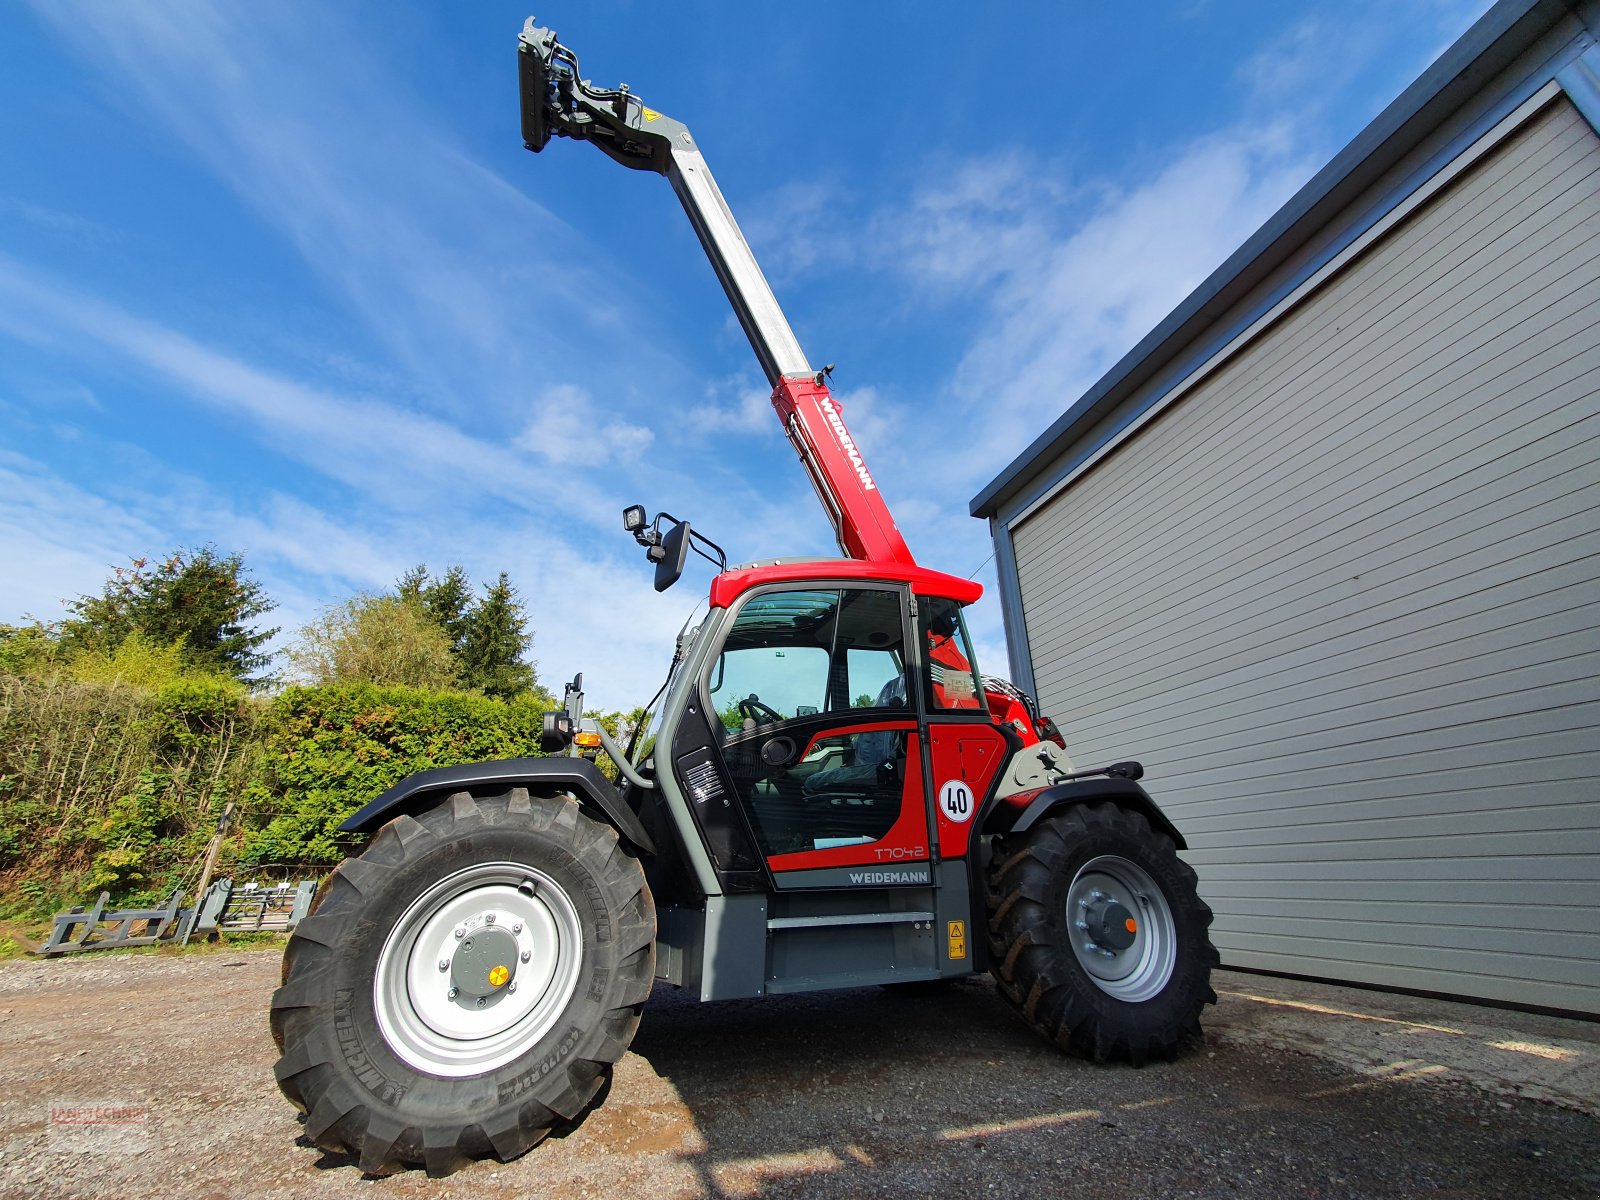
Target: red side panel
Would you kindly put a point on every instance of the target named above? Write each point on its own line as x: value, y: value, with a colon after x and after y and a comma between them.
x: 966, y: 758
x: 812, y: 419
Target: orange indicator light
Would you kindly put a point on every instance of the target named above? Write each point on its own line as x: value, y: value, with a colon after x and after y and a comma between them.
x: 1132, y: 925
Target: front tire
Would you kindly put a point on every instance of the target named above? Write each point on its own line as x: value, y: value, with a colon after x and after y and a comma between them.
x: 1098, y: 937
x: 465, y: 984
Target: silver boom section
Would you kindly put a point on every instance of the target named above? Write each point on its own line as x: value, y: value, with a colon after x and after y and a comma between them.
x: 735, y: 264
x: 558, y: 102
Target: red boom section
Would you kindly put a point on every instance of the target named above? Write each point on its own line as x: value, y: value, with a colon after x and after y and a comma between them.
x: 861, y: 519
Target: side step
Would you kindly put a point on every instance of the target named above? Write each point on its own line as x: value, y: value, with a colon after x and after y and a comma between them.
x: 850, y: 938
x: 820, y: 919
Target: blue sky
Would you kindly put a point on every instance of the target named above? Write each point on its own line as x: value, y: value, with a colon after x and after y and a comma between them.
x: 282, y: 277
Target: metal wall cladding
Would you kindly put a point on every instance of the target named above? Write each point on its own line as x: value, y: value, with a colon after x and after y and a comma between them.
x: 1343, y: 601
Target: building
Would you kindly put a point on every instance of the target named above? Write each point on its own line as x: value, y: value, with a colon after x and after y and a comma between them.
x: 1323, y: 551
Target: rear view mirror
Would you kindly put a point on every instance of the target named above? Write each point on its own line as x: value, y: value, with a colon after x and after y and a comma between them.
x: 674, y: 552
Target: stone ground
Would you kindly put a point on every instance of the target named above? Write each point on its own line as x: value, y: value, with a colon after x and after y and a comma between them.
x: 1302, y: 1091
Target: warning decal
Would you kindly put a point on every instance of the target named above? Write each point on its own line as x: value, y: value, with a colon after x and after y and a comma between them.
x: 651, y: 114
x: 958, y: 939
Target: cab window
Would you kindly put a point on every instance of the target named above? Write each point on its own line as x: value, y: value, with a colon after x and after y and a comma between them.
x: 800, y: 653
x: 950, y: 676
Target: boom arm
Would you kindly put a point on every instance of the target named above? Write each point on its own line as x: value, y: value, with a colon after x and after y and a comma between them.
x: 557, y: 102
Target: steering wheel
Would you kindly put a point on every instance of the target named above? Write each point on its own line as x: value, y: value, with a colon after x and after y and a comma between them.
x: 752, y: 709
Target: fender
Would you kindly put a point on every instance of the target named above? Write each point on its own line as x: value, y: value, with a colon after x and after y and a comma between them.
x: 576, y: 775
x: 1003, y: 818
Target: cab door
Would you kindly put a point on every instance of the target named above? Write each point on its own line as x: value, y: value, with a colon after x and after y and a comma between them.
x: 967, y: 750
x: 820, y: 735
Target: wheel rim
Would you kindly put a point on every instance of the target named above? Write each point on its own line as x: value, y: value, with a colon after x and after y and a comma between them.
x: 477, y: 969
x: 1108, y: 895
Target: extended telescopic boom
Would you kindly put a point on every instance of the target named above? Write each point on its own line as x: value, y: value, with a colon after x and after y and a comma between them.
x: 557, y: 102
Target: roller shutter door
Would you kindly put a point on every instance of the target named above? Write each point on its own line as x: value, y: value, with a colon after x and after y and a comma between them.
x: 1342, y: 600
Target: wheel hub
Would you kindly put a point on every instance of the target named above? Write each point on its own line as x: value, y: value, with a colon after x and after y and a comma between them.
x: 485, y: 962
x: 1111, y: 925
x: 478, y: 969
x: 1121, y: 928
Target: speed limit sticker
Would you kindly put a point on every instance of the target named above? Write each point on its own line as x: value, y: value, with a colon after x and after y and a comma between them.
x: 956, y: 802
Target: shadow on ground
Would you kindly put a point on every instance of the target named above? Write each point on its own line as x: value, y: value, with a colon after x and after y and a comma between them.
x: 868, y: 1092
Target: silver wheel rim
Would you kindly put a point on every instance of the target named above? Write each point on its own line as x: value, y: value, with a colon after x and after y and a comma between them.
x: 1139, y: 970
x: 429, y: 1019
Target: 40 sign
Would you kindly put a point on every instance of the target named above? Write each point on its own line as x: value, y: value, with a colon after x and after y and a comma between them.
x: 957, y: 802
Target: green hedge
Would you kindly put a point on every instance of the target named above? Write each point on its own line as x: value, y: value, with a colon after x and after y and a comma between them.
x: 330, y: 750
x: 108, y: 786
x: 117, y: 788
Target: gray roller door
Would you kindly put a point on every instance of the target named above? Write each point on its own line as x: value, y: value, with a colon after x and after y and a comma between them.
x: 1343, y: 597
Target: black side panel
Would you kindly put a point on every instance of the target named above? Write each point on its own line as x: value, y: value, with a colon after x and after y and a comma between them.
x: 576, y: 775
x: 716, y: 809
x: 1005, y: 819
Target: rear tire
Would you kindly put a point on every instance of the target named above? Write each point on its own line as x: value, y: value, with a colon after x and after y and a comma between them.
x: 1097, y: 936
x: 401, y: 1047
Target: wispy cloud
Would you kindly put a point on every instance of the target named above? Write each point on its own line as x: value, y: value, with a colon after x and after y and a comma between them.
x: 469, y: 285
x: 376, y: 447
x: 54, y: 221
x: 568, y: 427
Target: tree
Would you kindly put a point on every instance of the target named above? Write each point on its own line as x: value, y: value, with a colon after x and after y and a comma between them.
x: 496, y: 639
x: 488, y: 636
x: 197, y: 598
x: 447, y: 600
x: 375, y: 639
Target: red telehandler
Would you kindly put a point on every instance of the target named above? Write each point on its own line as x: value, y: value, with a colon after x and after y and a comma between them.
x: 834, y: 798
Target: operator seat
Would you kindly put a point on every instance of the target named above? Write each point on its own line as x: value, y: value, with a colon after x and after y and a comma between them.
x: 873, y: 751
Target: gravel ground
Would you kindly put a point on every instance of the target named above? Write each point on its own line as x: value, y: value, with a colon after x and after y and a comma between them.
x: 845, y: 1094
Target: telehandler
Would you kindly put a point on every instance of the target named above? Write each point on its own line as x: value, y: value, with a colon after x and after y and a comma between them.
x: 834, y: 798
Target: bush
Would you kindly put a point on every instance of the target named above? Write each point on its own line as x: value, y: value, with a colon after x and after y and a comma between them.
x: 376, y: 640
x: 330, y: 750
x: 138, y: 660
x: 27, y: 649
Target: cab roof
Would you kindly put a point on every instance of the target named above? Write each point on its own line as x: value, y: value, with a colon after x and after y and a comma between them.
x: 731, y: 584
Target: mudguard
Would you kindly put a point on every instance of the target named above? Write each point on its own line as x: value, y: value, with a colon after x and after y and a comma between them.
x: 1003, y: 818
x: 576, y: 775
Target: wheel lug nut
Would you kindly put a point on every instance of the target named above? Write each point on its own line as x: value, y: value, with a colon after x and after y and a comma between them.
x: 461, y: 931
x: 444, y: 964
x: 1083, y: 925
x: 512, y: 986
x: 517, y: 928
x: 1091, y: 947
x: 453, y: 993
x: 482, y: 1001
x: 525, y: 955
x: 488, y: 918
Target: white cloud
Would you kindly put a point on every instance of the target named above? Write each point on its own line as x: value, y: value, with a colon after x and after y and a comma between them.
x: 567, y: 428
x: 60, y: 540
x: 749, y: 412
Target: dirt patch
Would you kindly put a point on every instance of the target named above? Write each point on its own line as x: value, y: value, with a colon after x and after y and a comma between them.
x: 846, y: 1094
